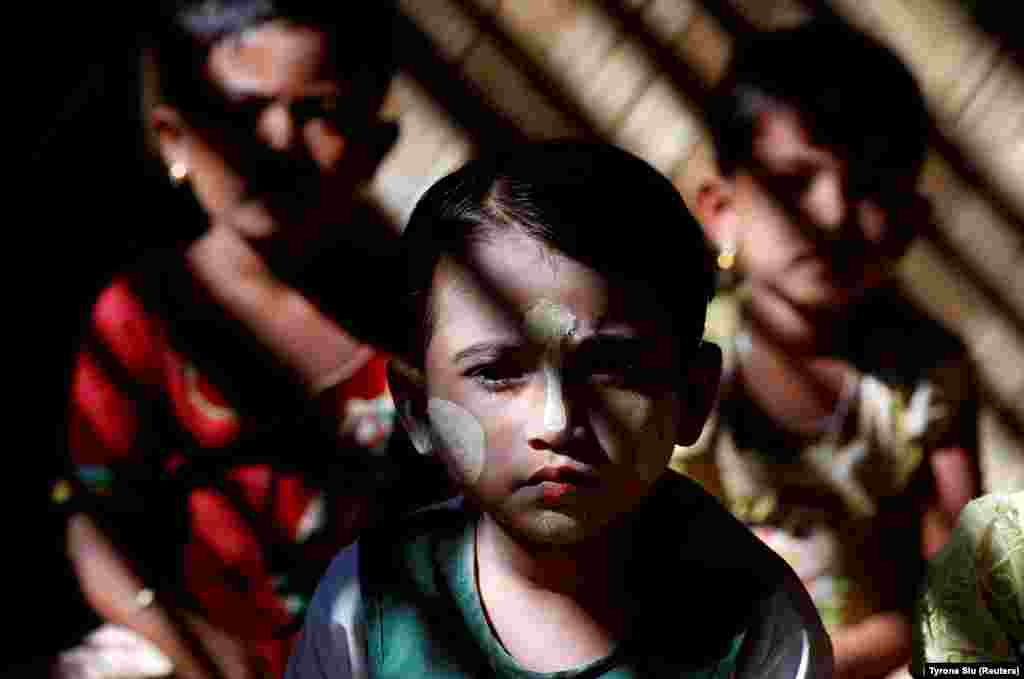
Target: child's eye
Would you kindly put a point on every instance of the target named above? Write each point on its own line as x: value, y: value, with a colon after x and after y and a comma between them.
x: 612, y: 366
x: 647, y: 373
x: 325, y: 108
x: 499, y: 375
x: 792, y: 184
x: 617, y: 370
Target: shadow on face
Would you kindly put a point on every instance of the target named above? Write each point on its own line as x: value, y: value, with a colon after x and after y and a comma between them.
x: 806, y: 220
x: 287, y: 137
x: 558, y: 406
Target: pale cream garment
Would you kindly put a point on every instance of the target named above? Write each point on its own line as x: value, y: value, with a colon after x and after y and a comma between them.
x: 113, y: 652
x: 894, y: 424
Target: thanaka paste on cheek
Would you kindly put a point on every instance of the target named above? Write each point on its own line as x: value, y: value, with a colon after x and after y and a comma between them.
x: 550, y: 325
x: 461, y: 438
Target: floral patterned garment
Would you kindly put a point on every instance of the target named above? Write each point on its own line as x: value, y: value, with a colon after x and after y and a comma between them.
x: 821, y: 507
x: 152, y: 437
x: 972, y: 606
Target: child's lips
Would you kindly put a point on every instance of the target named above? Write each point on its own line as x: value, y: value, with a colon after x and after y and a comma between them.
x: 554, y: 492
x: 568, y: 476
x: 561, y: 483
x: 558, y: 486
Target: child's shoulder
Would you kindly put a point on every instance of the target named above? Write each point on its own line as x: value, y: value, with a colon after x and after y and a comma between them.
x: 702, y: 564
x: 703, y: 532
x: 709, y: 553
x: 408, y: 546
x: 401, y: 550
x: 419, y: 523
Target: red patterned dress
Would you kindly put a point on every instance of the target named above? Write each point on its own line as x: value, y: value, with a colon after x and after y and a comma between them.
x: 240, y: 511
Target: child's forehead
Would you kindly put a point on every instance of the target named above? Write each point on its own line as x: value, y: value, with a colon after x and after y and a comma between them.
x: 782, y: 138
x: 501, y: 280
x: 504, y: 281
x: 273, y: 59
x: 786, y: 135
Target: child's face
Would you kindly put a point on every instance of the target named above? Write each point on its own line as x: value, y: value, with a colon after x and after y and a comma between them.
x: 557, y: 411
x: 799, y: 226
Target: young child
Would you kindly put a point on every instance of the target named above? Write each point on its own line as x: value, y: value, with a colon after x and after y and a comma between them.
x: 843, y: 435
x: 557, y: 305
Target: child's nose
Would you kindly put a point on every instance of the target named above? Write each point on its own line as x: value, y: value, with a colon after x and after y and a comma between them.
x: 825, y: 202
x: 327, y: 146
x: 551, y: 421
x: 278, y: 127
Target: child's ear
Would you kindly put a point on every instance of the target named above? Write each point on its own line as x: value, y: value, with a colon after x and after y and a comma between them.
x: 409, y: 390
x: 715, y: 209
x: 699, y: 392
x: 171, y: 133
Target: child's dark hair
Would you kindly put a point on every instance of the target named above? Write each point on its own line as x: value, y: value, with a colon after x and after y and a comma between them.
x: 590, y: 201
x: 181, y: 33
x: 853, y: 94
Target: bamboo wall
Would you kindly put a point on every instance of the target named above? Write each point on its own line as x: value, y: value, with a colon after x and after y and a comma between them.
x: 477, y: 72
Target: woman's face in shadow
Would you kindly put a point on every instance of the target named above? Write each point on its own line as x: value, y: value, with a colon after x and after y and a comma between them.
x: 805, y: 226
x: 288, y: 138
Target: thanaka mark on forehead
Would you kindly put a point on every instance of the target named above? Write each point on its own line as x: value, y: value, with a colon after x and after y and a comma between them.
x: 549, y: 324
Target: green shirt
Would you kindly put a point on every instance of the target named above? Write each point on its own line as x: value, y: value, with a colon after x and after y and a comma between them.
x: 713, y: 603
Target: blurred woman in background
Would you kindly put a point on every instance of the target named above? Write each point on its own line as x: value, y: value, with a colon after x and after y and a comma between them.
x: 222, y: 426
x: 845, y: 432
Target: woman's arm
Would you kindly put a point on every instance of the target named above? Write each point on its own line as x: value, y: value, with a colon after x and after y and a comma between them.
x: 956, y: 483
x: 882, y: 643
x: 197, y: 650
x: 873, y: 647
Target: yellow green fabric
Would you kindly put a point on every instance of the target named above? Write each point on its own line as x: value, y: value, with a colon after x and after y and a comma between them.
x: 971, y: 607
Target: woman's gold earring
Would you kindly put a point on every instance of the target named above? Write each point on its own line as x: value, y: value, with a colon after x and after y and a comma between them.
x: 178, y: 172
x: 727, y: 255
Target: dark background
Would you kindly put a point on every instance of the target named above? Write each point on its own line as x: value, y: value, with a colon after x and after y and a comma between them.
x: 81, y: 214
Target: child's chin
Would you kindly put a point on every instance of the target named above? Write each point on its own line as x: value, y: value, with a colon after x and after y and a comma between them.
x: 562, y: 526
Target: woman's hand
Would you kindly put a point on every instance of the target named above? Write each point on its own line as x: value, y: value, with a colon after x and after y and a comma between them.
x: 873, y: 648
x: 195, y: 648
